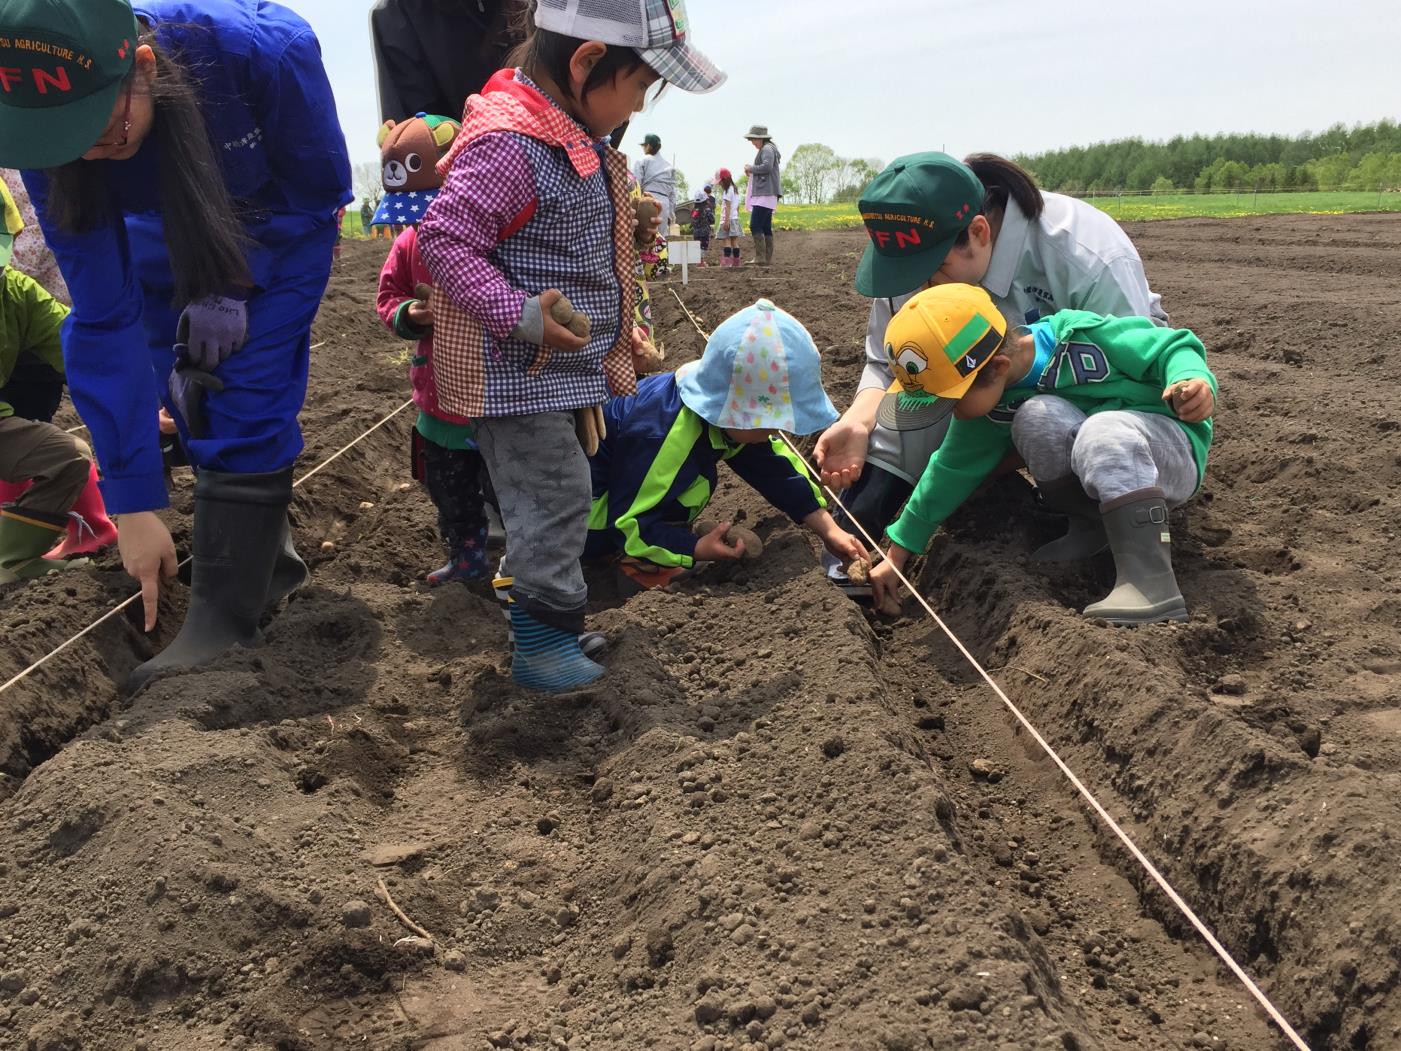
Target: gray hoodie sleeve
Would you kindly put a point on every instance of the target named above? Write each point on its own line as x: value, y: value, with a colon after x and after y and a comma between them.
x: 877, y: 375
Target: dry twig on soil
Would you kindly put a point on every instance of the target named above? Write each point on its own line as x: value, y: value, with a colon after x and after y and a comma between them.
x: 403, y: 918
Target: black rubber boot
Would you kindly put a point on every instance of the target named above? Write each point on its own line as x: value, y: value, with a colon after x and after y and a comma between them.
x: 1085, y: 536
x: 768, y: 249
x: 1145, y: 591
x: 289, y: 572
x: 240, y: 524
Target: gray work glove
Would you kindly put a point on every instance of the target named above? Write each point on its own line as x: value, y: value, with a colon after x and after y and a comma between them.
x: 188, y: 385
x: 212, y: 328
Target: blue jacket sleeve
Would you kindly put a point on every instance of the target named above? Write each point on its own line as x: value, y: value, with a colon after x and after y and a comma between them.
x: 291, y: 96
x: 771, y: 470
x: 108, y: 362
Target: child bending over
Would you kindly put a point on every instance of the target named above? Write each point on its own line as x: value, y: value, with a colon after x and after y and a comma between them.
x: 655, y: 471
x: 1111, y: 415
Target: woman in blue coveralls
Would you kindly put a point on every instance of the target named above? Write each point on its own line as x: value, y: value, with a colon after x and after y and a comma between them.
x: 187, y: 166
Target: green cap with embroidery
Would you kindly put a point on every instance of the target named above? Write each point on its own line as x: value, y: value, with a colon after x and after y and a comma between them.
x: 914, y: 211
x: 62, y: 65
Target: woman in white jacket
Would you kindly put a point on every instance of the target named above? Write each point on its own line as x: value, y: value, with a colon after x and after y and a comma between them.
x: 1035, y: 252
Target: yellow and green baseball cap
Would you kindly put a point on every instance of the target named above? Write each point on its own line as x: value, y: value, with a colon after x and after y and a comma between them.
x: 62, y: 64
x: 914, y: 211
x: 937, y: 343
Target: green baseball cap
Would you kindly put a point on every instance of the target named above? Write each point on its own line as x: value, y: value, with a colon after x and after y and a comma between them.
x: 62, y: 64
x: 914, y: 211
x: 655, y: 141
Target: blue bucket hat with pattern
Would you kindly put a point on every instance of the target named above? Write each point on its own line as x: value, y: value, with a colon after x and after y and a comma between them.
x: 760, y: 371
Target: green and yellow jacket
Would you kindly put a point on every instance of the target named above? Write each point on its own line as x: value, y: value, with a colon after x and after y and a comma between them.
x: 656, y: 471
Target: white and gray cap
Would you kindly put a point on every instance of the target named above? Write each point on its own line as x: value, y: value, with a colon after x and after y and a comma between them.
x: 656, y: 29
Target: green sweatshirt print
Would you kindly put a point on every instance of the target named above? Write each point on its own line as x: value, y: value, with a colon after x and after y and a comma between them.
x: 1100, y: 364
x: 30, y: 321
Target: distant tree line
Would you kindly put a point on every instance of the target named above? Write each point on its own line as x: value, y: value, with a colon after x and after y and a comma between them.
x: 1364, y: 157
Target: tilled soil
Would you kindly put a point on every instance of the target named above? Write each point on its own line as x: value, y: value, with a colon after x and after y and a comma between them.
x: 764, y: 827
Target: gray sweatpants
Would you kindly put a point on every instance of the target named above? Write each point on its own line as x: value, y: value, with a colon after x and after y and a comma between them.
x: 1112, y: 453
x: 543, y: 488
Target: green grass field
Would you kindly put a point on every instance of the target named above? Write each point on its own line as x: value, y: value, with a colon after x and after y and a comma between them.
x: 1166, y: 206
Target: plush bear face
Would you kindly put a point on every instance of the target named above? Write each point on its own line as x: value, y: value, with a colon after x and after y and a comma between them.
x: 409, y: 152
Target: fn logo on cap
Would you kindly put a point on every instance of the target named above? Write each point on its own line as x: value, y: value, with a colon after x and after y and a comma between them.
x: 36, y: 73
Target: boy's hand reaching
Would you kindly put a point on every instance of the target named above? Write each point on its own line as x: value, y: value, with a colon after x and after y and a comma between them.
x: 1192, y: 400
x: 715, y: 546
x: 885, y: 585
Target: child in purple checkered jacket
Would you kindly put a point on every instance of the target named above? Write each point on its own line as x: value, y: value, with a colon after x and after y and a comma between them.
x: 535, y: 209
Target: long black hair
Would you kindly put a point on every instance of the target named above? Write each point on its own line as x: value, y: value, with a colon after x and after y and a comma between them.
x: 203, y: 233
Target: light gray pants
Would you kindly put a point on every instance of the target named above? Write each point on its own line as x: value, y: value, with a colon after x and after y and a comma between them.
x: 543, y: 488
x: 1112, y: 453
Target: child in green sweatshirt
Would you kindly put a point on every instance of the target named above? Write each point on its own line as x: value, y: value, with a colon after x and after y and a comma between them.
x: 1111, y: 415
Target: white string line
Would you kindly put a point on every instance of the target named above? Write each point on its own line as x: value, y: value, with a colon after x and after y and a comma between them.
x: 1070, y: 775
x: 117, y: 609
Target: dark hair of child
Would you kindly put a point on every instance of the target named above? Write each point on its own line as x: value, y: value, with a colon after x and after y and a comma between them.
x: 545, y: 54
x: 1003, y: 180
x: 203, y: 232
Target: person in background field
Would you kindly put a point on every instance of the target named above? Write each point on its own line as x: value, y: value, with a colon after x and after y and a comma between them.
x: 431, y: 54
x: 981, y: 221
x: 655, y: 470
x: 536, y: 208
x: 729, y: 230
x: 762, y: 194
x: 1118, y: 409
x: 43, y: 470
x: 31, y: 384
x: 702, y: 221
x: 657, y: 179
x: 194, y: 219
x: 367, y: 212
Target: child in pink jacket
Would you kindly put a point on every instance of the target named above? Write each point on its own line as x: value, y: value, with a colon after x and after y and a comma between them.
x: 445, y: 455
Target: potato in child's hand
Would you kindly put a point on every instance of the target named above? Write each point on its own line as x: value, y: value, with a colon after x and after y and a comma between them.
x: 859, y: 572
x: 648, y: 208
x: 753, y: 546
x: 423, y: 290
x: 563, y: 313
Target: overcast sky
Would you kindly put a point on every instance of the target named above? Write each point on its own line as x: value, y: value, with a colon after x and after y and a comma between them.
x: 886, y: 77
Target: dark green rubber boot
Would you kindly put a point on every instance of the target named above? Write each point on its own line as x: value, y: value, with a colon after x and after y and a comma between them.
x: 1085, y: 536
x: 1145, y: 589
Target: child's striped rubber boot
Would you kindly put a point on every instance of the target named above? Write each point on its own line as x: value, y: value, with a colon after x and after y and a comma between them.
x: 593, y: 643
x: 546, y: 659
